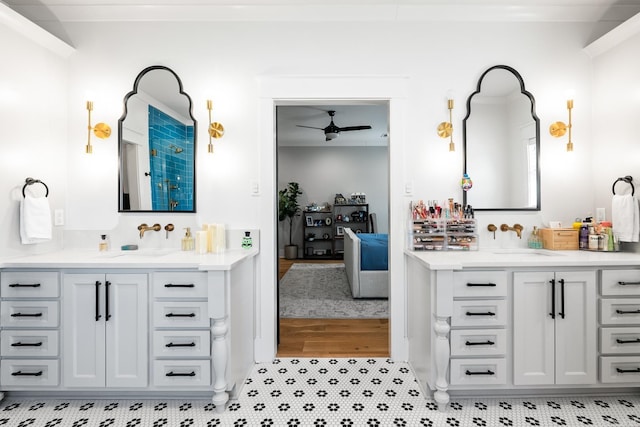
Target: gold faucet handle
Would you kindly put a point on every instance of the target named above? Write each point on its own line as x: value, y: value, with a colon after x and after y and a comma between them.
x: 492, y: 228
x: 504, y: 227
x: 168, y: 228
x: 156, y: 227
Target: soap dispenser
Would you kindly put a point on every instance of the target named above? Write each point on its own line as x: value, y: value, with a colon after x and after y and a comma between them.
x: 188, y: 243
x: 535, y: 242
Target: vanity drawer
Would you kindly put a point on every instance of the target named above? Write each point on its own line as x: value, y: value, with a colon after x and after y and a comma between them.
x: 29, y: 373
x: 624, y: 369
x: 620, y: 282
x: 485, y: 313
x: 177, y: 284
x: 480, y: 284
x: 620, y: 311
x: 478, y: 342
x: 182, y: 373
x: 478, y: 372
x: 177, y: 314
x: 20, y: 343
x: 30, y: 284
x: 182, y: 343
x: 29, y: 314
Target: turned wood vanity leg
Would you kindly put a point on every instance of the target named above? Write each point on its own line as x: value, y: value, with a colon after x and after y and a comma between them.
x: 219, y: 355
x: 442, y: 353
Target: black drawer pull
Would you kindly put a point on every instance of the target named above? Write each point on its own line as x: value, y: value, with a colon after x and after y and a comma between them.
x: 628, y: 371
x: 487, y: 313
x: 491, y: 285
x: 26, y: 344
x: 487, y: 372
x: 180, y: 315
x: 633, y: 341
x: 24, y: 285
x: 27, y: 374
x: 171, y: 285
x: 628, y: 283
x: 179, y: 374
x: 190, y: 344
x: 628, y: 312
x: 487, y: 342
x: 26, y: 315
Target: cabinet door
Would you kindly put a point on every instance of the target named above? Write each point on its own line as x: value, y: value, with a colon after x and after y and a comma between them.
x: 533, y: 329
x: 126, y: 330
x: 84, y: 335
x: 576, y: 329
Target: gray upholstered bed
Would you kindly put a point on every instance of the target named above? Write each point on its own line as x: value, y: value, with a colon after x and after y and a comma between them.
x: 364, y: 283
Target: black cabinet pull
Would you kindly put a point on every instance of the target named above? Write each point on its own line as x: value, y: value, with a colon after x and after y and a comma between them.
x: 190, y: 344
x: 492, y: 285
x: 26, y: 315
x: 553, y: 298
x: 106, y: 302
x: 628, y: 283
x: 561, y: 298
x: 486, y: 313
x: 487, y: 342
x: 171, y: 285
x: 24, y: 285
x: 633, y: 341
x: 628, y: 311
x: 180, y: 315
x: 98, y: 315
x: 180, y: 374
x: 487, y: 372
x: 628, y: 371
x: 27, y: 374
x: 26, y: 344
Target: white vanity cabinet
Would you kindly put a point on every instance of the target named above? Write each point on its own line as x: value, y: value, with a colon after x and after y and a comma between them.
x: 620, y: 327
x: 554, y: 328
x: 105, y: 330
x: 30, y: 320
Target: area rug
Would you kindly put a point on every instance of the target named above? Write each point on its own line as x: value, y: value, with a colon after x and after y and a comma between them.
x: 321, y: 291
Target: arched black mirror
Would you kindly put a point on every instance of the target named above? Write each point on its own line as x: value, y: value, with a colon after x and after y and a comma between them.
x: 157, y: 145
x: 501, y: 144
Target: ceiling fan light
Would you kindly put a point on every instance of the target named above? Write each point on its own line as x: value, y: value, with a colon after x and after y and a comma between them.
x: 331, y: 135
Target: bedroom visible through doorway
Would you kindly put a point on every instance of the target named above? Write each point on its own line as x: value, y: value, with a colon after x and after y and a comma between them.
x: 318, y: 314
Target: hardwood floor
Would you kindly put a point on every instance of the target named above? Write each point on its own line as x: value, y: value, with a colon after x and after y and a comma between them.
x: 331, y: 337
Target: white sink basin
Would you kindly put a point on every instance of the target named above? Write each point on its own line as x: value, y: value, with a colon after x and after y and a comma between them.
x: 522, y: 252
x: 138, y: 253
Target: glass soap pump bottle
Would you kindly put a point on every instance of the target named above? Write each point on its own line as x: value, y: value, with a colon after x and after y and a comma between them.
x: 535, y: 242
x: 188, y: 243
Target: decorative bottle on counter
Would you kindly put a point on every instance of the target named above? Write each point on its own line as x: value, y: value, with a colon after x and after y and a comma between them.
x: 104, y: 243
x: 584, y: 236
x: 188, y: 243
x: 534, y: 242
x: 247, y: 241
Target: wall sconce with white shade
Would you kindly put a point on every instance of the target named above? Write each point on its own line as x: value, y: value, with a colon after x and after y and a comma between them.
x: 100, y: 130
x: 216, y: 130
x: 558, y: 129
x: 445, y: 129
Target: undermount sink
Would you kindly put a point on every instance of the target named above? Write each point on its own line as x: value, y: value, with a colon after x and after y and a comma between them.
x: 524, y: 251
x: 138, y: 253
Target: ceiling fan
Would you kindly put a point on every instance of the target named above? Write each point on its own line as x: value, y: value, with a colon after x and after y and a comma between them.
x: 332, y: 131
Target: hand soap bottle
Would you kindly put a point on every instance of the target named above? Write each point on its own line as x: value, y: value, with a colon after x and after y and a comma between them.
x: 535, y: 242
x: 188, y: 243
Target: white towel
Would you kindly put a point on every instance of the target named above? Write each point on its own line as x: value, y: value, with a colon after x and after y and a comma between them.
x: 625, y: 216
x: 35, y: 220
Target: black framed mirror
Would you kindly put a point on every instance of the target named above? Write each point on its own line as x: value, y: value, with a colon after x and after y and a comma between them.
x: 157, y: 145
x: 501, y: 144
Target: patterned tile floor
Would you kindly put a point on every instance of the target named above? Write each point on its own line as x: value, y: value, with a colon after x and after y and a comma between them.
x: 326, y: 392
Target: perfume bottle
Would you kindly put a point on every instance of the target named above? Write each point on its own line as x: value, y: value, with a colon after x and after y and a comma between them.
x: 104, y: 243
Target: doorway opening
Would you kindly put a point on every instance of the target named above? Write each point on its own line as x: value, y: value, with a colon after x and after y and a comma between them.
x: 344, y: 179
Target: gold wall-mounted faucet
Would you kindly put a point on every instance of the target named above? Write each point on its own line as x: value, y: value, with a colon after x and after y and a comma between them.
x: 492, y: 228
x: 144, y: 227
x: 516, y: 227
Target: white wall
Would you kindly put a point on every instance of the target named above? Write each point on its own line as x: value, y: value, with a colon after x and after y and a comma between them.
x: 324, y: 171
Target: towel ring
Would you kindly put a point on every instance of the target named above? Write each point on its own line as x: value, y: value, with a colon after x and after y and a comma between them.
x: 30, y: 181
x: 628, y: 179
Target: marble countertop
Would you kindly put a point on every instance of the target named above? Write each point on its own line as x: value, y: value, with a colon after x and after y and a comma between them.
x: 522, y: 257
x: 146, y: 258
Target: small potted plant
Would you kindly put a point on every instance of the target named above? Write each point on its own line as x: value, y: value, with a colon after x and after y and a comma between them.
x: 288, y: 209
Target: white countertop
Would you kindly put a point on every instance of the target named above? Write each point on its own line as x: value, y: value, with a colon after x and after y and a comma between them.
x: 521, y: 257
x: 150, y: 258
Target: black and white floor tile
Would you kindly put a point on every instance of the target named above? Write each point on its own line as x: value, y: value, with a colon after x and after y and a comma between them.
x: 326, y: 392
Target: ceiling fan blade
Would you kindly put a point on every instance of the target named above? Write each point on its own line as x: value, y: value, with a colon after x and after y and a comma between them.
x: 310, y: 127
x: 348, y: 128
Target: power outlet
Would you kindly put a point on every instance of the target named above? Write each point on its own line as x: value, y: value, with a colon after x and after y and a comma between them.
x: 58, y: 217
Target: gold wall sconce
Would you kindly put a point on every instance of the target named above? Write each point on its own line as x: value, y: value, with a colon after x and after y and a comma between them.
x: 558, y: 129
x: 100, y: 130
x: 445, y: 129
x: 216, y: 130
